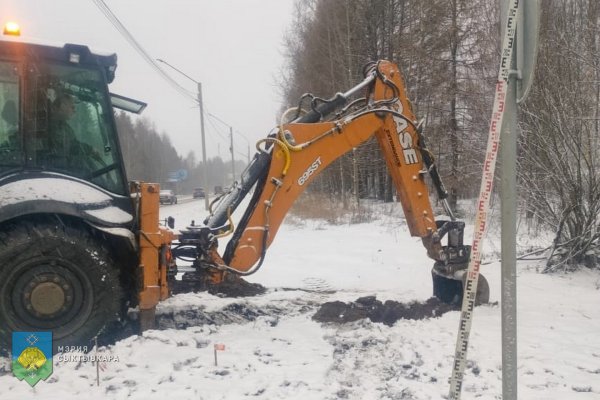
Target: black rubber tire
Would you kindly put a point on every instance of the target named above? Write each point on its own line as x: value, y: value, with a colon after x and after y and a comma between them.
x: 54, y: 252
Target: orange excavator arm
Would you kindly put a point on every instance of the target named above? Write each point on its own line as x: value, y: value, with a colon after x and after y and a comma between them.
x: 290, y: 159
x: 316, y: 145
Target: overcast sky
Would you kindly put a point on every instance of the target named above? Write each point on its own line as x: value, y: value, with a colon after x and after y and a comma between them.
x: 234, y: 47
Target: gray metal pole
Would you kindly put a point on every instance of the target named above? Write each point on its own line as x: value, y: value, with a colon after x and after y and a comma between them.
x: 232, y: 157
x: 508, y: 188
x: 508, y: 150
x: 205, y: 165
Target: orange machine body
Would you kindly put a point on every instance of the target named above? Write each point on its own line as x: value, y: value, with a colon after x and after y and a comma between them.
x: 154, y: 249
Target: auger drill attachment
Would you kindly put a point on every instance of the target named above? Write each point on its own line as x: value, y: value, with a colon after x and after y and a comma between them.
x: 449, y: 273
x: 449, y: 270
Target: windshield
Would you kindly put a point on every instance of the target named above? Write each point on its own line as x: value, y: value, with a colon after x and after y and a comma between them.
x: 73, y: 132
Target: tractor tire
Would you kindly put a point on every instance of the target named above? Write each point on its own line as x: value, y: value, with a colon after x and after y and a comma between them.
x: 59, y: 278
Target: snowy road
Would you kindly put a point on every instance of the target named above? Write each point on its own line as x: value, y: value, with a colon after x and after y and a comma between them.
x: 274, y: 350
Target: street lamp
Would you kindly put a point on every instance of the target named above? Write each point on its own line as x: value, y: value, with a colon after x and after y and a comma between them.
x: 205, y: 169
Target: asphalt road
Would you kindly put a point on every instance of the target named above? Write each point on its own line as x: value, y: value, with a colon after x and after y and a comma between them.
x: 187, y: 198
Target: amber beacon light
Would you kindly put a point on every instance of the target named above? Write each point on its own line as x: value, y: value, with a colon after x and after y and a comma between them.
x: 12, y: 29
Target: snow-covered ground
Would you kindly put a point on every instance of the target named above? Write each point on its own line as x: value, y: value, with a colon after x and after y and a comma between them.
x: 274, y: 350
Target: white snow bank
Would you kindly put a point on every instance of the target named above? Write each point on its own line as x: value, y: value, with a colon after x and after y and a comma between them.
x: 282, y: 353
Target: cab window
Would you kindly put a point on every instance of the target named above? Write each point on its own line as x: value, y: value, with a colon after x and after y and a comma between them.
x: 74, y: 133
x: 10, y: 138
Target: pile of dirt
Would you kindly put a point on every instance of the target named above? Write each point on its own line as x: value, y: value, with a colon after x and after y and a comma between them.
x: 237, y: 288
x: 234, y: 313
x: 387, y: 313
x: 232, y: 286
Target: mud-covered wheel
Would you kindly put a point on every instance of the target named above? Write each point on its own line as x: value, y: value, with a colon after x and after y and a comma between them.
x: 56, y: 278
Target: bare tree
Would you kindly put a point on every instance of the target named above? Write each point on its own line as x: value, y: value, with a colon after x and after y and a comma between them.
x: 560, y: 164
x: 443, y: 51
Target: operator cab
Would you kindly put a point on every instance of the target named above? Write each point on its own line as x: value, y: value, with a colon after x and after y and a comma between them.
x: 56, y: 113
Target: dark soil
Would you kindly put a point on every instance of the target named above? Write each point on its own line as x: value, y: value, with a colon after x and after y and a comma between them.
x: 232, y: 286
x: 387, y: 313
x: 237, y: 288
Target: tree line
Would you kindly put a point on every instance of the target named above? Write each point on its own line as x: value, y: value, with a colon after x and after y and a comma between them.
x: 149, y: 156
x: 445, y: 50
x: 449, y: 51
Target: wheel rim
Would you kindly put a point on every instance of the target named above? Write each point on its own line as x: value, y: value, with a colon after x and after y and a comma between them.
x: 49, y: 293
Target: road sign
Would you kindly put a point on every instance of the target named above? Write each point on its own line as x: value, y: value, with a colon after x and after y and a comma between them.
x: 178, y: 176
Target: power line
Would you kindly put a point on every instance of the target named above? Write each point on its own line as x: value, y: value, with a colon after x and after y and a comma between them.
x: 239, y: 153
x: 243, y: 136
x: 215, y: 128
x: 211, y: 122
x: 112, y: 18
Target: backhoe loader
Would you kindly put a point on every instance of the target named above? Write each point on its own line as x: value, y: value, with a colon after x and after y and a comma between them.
x: 79, y: 245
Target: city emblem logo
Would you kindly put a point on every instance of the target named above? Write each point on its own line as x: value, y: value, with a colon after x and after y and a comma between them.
x: 32, y: 356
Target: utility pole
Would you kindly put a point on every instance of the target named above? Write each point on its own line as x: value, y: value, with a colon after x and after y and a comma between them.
x: 230, y: 145
x: 202, y: 133
x: 205, y: 166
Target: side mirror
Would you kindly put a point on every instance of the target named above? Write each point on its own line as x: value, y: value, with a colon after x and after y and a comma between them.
x: 171, y: 222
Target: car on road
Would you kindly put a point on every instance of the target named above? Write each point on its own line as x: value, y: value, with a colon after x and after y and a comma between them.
x: 198, y: 193
x: 219, y: 190
x: 168, y: 196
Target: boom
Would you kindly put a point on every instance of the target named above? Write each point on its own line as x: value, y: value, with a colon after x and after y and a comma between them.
x: 290, y: 159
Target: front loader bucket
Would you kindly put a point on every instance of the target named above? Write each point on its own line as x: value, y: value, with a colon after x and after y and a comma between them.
x: 450, y: 290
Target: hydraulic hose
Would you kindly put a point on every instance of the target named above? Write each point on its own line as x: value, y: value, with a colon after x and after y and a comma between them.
x: 284, y: 147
